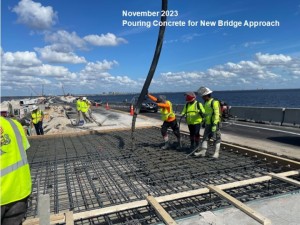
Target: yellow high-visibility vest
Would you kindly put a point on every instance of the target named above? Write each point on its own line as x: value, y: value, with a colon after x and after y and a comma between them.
x: 165, y: 114
x: 15, y: 172
x: 78, y: 104
x: 192, y: 112
x: 84, y: 107
x: 36, y: 116
x: 212, y: 112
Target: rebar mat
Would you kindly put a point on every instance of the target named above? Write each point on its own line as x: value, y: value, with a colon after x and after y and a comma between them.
x: 85, y: 172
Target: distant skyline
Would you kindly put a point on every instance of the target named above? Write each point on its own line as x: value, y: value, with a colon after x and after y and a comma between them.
x: 91, y: 47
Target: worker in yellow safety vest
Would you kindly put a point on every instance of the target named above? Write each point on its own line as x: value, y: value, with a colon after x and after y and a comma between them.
x: 169, y: 118
x: 194, y: 113
x: 15, y: 172
x: 78, y: 109
x: 37, y: 117
x: 212, y: 123
x: 84, y: 107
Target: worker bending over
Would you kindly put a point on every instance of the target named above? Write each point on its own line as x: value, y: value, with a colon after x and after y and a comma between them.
x: 169, y: 118
x: 194, y: 113
x: 84, y: 107
x: 212, y: 123
x: 78, y: 109
x: 15, y: 172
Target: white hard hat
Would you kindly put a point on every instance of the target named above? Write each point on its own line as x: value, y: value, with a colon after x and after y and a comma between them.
x: 34, y: 107
x: 83, y: 98
x: 204, y: 91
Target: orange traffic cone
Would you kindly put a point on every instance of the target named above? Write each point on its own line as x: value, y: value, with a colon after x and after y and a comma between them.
x: 131, y: 110
x: 107, y: 107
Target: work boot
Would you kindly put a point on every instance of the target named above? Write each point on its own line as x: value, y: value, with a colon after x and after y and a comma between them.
x: 201, y: 153
x: 217, y: 151
x: 179, y: 144
x: 166, y: 146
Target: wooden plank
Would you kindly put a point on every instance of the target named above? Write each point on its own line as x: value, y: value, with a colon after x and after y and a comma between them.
x: 54, y: 219
x: 246, y: 209
x: 160, y: 211
x: 69, y: 218
x: 166, y: 198
x: 284, y: 161
x: 109, y: 210
x: 285, y: 179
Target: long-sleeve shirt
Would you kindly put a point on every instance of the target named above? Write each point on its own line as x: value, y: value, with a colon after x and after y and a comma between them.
x: 166, y: 109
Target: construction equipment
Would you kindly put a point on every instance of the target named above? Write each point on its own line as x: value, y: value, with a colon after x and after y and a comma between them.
x: 150, y: 75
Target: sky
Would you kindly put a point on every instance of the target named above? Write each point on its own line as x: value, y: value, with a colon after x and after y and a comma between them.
x: 100, y: 46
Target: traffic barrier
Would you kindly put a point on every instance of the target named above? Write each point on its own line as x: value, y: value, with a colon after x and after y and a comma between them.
x: 258, y: 114
x: 291, y: 116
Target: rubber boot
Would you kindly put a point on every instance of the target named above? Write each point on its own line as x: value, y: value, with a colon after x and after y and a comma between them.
x: 203, y: 151
x: 179, y: 143
x: 166, y: 146
x: 217, y: 151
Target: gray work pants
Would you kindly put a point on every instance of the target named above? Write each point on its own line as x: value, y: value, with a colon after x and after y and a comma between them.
x: 13, y: 213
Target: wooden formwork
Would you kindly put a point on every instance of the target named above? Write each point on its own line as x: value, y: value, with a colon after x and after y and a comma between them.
x: 69, y: 217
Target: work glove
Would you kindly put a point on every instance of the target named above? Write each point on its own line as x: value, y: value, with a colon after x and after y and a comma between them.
x: 214, y: 128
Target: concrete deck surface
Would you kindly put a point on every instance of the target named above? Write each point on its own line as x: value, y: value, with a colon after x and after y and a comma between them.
x: 282, y: 210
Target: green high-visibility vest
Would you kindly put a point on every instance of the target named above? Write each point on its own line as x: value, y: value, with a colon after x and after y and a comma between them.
x: 36, y: 116
x: 84, y: 106
x: 15, y: 172
x: 78, y: 104
x: 193, y: 112
x: 212, y: 111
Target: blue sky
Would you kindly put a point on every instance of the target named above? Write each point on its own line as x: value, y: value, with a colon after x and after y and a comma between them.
x: 83, y: 46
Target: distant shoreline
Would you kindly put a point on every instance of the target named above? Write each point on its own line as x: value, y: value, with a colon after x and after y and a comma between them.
x: 136, y: 93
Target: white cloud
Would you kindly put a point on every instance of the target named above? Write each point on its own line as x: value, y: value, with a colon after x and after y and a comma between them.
x: 34, y: 15
x: 21, y: 69
x: 253, y: 43
x: 272, y: 59
x: 108, y: 39
x: 66, y: 38
x: 49, y: 54
x: 20, y: 59
x: 266, y: 70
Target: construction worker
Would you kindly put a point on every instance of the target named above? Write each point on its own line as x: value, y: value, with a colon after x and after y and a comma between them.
x: 169, y: 118
x: 84, y: 107
x: 37, y: 117
x: 15, y: 172
x: 212, y: 123
x: 78, y: 109
x: 194, y: 113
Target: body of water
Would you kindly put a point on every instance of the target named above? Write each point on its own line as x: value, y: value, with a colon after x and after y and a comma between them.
x: 288, y: 98
x: 258, y: 98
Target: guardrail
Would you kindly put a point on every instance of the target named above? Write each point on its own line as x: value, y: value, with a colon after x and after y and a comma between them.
x: 283, y: 116
x: 276, y: 115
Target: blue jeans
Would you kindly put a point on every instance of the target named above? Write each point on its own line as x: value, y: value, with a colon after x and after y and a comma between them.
x: 39, y: 128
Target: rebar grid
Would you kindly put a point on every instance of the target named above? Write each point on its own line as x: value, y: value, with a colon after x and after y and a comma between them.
x: 86, y: 172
